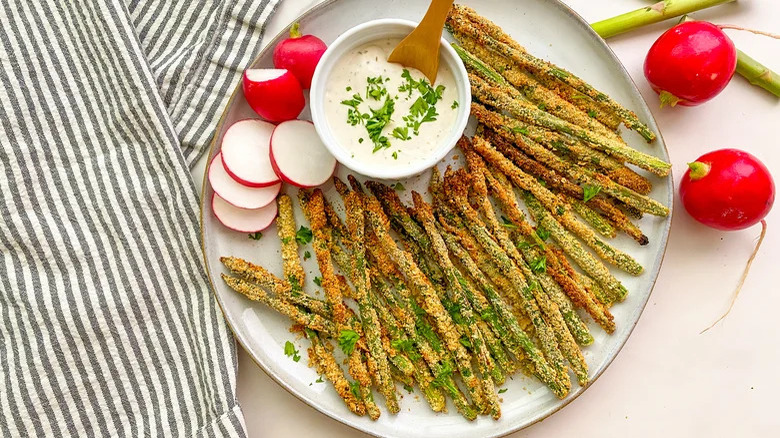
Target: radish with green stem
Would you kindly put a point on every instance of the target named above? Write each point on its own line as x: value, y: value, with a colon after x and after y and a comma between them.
x: 691, y: 63
x: 299, y: 54
x: 729, y: 189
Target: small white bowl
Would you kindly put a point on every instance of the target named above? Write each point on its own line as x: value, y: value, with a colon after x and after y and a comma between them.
x: 363, y: 34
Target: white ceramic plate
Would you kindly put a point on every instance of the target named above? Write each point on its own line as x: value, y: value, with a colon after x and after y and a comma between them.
x: 550, y: 30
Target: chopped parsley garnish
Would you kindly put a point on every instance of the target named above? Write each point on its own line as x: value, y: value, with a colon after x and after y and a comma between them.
x: 347, y: 340
x: 376, y: 123
x: 289, y: 350
x: 318, y: 281
x: 306, y: 255
x: 398, y: 186
x: 589, y: 192
x: 542, y: 233
x: 354, y: 388
x: 303, y: 236
x: 319, y: 380
x: 403, y: 346
x: 560, y: 210
x: 375, y: 90
x: 294, y: 283
x: 518, y: 130
x: 542, y: 107
x: 349, y: 89
x: 507, y: 223
x: 455, y: 104
x: 395, y: 155
x: 286, y: 240
x: 502, y: 390
x: 539, y: 265
x: 401, y: 133
x: 444, y: 378
x: 408, y: 388
x: 256, y: 236
x: 592, y: 114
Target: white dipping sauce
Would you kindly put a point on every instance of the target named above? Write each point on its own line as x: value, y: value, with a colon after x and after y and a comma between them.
x: 350, y: 76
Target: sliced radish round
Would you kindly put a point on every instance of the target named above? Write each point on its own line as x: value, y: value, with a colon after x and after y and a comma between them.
x: 242, y: 220
x: 237, y: 194
x: 298, y: 155
x: 246, y: 153
x: 274, y: 94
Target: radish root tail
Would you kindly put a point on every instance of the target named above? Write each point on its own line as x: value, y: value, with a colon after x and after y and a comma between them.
x: 743, y: 278
x: 757, y: 32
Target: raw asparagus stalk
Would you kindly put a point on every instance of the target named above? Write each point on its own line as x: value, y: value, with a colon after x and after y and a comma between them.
x: 663, y: 10
x: 757, y: 73
x: 466, y: 21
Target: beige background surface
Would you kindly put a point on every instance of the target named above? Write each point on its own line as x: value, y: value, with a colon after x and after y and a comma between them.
x: 668, y: 380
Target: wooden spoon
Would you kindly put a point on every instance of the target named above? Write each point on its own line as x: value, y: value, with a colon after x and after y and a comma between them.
x: 420, y: 49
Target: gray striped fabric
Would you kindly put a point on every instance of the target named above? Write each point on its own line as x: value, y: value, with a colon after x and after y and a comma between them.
x: 107, y: 326
x: 197, y: 50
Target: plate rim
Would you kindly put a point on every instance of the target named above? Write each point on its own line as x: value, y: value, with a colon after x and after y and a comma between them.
x: 344, y: 419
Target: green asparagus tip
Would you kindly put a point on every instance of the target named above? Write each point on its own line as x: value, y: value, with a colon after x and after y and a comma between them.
x: 699, y: 170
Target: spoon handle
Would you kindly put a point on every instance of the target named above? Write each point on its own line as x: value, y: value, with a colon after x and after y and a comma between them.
x: 436, y: 16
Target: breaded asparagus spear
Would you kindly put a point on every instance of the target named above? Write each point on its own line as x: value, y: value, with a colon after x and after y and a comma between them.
x: 281, y: 288
x: 321, y: 243
x: 499, y: 188
x: 422, y: 374
x: 309, y: 320
x: 582, y: 110
x: 558, y: 182
x: 430, y: 299
x: 516, y: 268
x: 497, y: 98
x: 321, y: 356
x: 568, y: 150
x: 553, y: 203
x: 457, y: 287
x: 465, y: 20
x: 571, y: 170
x: 362, y: 282
x: 285, y: 226
x: 592, y: 217
x: 576, y: 326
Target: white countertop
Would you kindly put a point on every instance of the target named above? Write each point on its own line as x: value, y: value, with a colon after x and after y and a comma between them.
x: 668, y: 380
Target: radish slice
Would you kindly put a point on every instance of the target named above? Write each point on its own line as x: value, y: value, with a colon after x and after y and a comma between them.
x: 242, y: 220
x: 274, y: 94
x: 298, y: 155
x: 245, y: 153
x: 237, y: 194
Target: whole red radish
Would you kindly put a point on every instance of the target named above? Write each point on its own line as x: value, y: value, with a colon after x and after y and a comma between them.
x: 274, y: 94
x: 727, y: 189
x: 299, y: 54
x: 690, y: 63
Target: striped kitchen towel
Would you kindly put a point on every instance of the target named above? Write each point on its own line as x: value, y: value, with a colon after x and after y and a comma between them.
x: 107, y: 324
